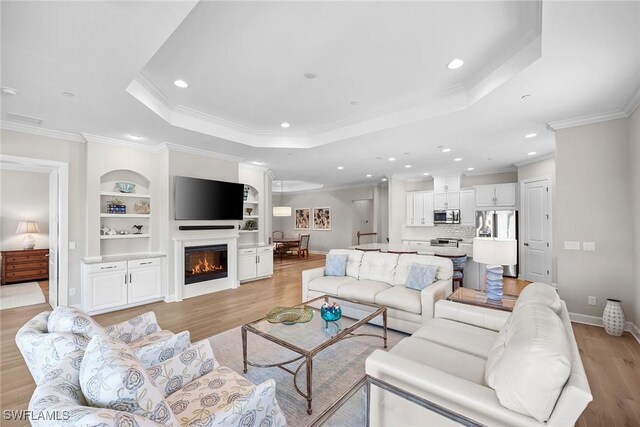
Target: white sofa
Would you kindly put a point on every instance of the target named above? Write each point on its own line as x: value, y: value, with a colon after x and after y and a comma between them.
x: 379, y: 278
x: 492, y: 367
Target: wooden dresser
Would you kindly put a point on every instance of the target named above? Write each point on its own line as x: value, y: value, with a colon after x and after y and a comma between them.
x: 25, y: 265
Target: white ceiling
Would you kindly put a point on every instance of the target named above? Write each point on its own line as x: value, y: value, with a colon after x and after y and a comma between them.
x: 245, y: 64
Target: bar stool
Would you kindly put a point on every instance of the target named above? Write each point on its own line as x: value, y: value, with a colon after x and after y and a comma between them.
x: 458, y: 269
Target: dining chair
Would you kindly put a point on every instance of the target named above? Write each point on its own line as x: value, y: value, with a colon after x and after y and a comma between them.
x: 303, y: 247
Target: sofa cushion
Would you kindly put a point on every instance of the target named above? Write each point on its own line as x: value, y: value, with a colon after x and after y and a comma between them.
x: 378, y: 266
x: 362, y: 290
x: 401, y: 298
x: 156, y: 337
x: 446, y: 359
x: 420, y: 276
x: 445, y: 267
x: 458, y: 336
x: 73, y: 320
x: 112, y: 377
x: 539, y: 293
x: 330, y: 284
x: 354, y: 259
x: 531, y: 362
x: 336, y: 265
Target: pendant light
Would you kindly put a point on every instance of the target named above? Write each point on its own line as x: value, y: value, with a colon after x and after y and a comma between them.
x: 281, y: 210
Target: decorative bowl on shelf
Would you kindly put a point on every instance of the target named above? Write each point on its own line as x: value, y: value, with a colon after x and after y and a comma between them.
x: 330, y: 313
x: 125, y: 186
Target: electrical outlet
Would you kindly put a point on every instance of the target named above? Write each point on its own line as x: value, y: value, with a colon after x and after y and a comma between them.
x: 72, y: 245
x: 591, y: 300
x: 572, y: 246
x: 588, y: 246
x: 72, y: 291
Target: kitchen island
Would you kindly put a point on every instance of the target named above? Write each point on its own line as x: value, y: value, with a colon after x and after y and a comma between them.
x: 446, y: 251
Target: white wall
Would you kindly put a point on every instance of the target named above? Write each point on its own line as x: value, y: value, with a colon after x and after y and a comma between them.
x: 25, y: 196
x: 634, y: 158
x: 593, y: 186
x: 73, y: 153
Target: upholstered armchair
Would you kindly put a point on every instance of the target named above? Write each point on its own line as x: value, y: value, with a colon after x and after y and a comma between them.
x: 107, y: 385
x: 49, y: 336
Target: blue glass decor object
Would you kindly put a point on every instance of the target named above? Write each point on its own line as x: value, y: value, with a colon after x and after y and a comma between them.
x: 330, y: 313
x: 494, y: 282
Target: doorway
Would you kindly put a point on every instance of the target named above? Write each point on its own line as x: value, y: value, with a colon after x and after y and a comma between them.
x: 44, y: 223
x: 362, y: 221
x: 536, y: 230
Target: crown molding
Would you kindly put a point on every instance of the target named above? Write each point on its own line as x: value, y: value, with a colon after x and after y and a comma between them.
x: 254, y: 167
x: 508, y: 169
x: 197, y: 151
x: 118, y: 142
x: 633, y: 103
x: 35, y: 130
x: 547, y: 156
x: 587, y: 120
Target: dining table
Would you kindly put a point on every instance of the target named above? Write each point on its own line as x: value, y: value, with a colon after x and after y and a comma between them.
x: 284, y: 244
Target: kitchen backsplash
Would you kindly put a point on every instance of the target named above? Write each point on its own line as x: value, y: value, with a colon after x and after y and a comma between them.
x: 440, y: 230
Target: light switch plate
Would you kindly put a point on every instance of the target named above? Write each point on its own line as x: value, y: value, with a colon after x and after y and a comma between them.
x: 572, y: 246
x: 591, y: 300
x: 588, y: 246
x: 72, y: 245
x: 72, y: 291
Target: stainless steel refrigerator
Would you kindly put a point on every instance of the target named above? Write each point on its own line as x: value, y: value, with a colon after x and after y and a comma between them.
x: 500, y: 225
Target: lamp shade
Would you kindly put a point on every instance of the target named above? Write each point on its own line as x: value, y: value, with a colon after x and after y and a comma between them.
x: 495, y: 251
x: 27, y: 227
x: 282, y: 211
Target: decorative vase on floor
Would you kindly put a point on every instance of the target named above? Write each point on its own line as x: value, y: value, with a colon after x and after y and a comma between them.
x: 613, y: 318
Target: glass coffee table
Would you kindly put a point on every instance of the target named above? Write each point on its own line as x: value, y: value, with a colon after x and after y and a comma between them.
x: 310, y: 338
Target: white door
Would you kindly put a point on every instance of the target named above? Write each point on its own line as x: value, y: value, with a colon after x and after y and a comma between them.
x: 535, y: 231
x: 144, y: 283
x: 485, y: 196
x: 247, y: 267
x: 440, y: 201
x: 107, y: 290
x: 265, y: 263
x: 53, y: 238
x: 506, y: 195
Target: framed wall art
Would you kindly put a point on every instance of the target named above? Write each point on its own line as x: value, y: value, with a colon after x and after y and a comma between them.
x: 301, y: 219
x: 322, y: 219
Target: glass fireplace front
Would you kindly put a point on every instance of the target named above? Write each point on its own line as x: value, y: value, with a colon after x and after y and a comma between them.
x: 202, y: 263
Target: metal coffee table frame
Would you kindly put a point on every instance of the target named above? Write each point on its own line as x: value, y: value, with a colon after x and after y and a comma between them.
x: 307, y: 355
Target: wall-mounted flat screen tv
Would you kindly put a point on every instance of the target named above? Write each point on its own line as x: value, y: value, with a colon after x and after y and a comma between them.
x: 204, y: 199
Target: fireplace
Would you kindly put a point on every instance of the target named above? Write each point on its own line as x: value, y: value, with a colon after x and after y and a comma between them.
x: 202, y: 263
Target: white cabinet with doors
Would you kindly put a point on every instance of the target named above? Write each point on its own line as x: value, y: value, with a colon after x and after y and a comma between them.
x: 255, y: 263
x: 499, y: 195
x: 446, y: 184
x: 108, y: 286
x: 445, y: 201
x: 420, y: 208
x: 467, y: 208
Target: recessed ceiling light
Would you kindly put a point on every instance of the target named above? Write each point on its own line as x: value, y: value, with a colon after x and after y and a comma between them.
x: 257, y: 162
x: 426, y: 174
x: 392, y: 159
x: 340, y: 168
x: 181, y: 84
x: 9, y: 91
x: 284, y: 125
x: 407, y: 166
x: 135, y: 137
x: 469, y: 169
x: 384, y: 179
x: 455, y: 64
x: 446, y: 150
x: 457, y: 159
x: 68, y: 94
x: 309, y: 76
x: 531, y: 153
x: 531, y: 135
x: 369, y: 175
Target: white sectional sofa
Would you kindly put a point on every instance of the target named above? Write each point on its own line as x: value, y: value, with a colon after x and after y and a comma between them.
x: 379, y: 278
x: 492, y: 367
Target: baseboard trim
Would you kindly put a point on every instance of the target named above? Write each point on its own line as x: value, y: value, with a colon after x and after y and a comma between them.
x: 318, y: 252
x: 597, y: 321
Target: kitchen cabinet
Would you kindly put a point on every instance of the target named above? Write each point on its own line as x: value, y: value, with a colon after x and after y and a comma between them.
x: 115, y: 285
x: 468, y: 208
x: 499, y: 195
x: 255, y: 263
x: 446, y: 201
x: 420, y: 208
x: 446, y: 184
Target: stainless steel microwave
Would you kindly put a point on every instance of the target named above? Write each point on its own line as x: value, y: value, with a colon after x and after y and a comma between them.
x: 450, y: 216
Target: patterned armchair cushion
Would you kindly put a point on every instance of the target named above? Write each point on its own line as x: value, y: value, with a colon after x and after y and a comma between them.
x: 73, y: 320
x: 225, y: 398
x: 135, y: 328
x: 160, y: 351
x: 112, y: 377
x: 172, y: 374
x: 66, y: 343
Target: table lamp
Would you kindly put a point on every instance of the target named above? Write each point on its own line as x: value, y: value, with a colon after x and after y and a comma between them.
x: 28, y: 227
x: 495, y: 253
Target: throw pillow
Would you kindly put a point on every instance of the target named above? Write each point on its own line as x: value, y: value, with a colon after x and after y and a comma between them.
x: 73, y: 320
x: 336, y: 265
x: 112, y: 377
x: 420, y: 276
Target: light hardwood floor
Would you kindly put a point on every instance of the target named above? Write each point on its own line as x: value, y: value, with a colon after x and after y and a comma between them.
x: 612, y: 364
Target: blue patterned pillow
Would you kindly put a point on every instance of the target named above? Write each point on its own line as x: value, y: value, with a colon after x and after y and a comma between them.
x: 336, y: 265
x: 420, y: 276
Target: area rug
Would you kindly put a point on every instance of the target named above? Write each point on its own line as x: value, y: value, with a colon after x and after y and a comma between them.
x: 335, y: 370
x: 19, y: 295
